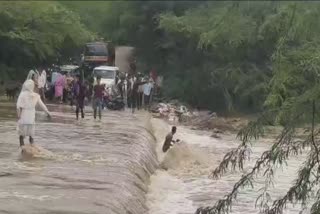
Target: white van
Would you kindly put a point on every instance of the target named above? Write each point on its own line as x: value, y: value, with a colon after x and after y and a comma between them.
x: 108, y: 76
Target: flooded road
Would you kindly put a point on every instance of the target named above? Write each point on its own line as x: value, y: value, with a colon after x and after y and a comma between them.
x: 104, y: 167
x: 185, y: 185
x: 94, y: 167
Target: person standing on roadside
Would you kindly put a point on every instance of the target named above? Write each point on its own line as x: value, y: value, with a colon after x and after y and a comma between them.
x: 34, y: 75
x: 130, y: 82
x: 42, y: 80
x: 59, y: 87
x: 120, y: 87
x: 135, y: 93
x: 140, y: 95
x: 147, y: 88
x: 98, y: 92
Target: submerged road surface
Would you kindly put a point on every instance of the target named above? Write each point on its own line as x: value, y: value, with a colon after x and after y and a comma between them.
x: 93, y: 167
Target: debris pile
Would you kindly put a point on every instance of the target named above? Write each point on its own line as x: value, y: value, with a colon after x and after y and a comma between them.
x: 204, y: 120
x: 173, y: 111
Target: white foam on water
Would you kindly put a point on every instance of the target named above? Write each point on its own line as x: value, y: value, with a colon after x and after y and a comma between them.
x: 167, y: 195
x: 20, y: 195
x: 185, y: 184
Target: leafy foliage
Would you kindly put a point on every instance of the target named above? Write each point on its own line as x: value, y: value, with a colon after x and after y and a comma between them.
x: 32, y: 33
x: 226, y: 38
x: 292, y: 99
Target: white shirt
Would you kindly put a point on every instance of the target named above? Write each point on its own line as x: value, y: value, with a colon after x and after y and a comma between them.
x: 147, y: 88
x: 42, y: 79
x: 140, y: 88
x: 132, y: 81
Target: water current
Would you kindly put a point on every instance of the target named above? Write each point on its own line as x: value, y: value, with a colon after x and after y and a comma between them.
x: 95, y: 167
x: 104, y: 167
x: 185, y: 185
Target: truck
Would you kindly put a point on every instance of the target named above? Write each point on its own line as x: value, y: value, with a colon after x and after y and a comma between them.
x: 108, y: 75
x: 97, y: 54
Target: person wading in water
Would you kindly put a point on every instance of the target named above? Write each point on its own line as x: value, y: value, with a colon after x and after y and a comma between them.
x: 26, y: 111
x: 169, y: 140
x: 98, y: 91
x: 79, y: 91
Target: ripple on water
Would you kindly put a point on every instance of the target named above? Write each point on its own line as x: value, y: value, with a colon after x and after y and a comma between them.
x: 96, y: 167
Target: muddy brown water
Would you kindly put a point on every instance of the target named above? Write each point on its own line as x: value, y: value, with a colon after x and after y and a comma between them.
x: 96, y: 167
x: 104, y: 167
x: 185, y: 185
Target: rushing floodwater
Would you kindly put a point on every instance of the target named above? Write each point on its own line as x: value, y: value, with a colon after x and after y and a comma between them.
x: 104, y: 167
x: 95, y: 167
x: 185, y: 186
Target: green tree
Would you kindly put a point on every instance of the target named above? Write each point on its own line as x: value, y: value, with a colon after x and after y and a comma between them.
x: 32, y: 33
x: 291, y: 102
x: 226, y: 52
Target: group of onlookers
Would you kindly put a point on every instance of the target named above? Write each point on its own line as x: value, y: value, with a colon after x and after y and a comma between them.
x: 39, y: 77
x: 140, y: 91
x: 137, y: 90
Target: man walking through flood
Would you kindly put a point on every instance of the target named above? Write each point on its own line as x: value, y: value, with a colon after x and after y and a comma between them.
x: 26, y: 112
x: 79, y: 94
x: 98, y: 91
x: 169, y: 140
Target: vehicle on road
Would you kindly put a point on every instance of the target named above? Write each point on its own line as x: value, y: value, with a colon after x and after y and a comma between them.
x: 96, y: 54
x: 109, y: 75
x: 72, y: 70
x: 116, y: 103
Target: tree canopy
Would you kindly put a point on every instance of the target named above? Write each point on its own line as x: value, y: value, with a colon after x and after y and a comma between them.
x: 32, y: 33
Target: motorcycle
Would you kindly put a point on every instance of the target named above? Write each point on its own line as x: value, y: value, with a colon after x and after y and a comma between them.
x: 114, y: 104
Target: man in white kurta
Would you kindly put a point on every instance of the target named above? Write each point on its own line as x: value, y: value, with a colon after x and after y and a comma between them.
x: 26, y: 110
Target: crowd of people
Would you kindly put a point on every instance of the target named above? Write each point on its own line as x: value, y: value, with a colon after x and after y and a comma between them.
x: 139, y: 93
x: 134, y: 90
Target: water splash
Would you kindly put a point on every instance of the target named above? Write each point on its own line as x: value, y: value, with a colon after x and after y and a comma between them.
x: 188, y: 165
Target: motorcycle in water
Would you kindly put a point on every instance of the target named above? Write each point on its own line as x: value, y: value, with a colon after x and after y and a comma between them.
x: 113, y: 104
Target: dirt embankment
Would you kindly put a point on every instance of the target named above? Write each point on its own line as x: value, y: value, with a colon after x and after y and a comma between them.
x: 176, y: 113
x: 206, y: 121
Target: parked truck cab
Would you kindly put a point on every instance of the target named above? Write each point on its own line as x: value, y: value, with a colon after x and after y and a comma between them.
x: 108, y: 74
